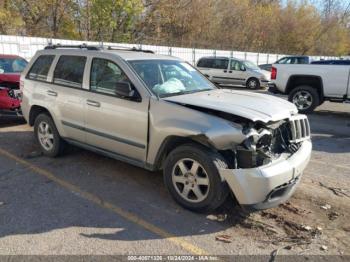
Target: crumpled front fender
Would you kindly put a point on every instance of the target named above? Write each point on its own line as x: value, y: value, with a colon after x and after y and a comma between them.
x: 170, y: 119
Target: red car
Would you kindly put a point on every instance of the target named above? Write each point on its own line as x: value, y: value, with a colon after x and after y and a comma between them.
x: 11, y: 67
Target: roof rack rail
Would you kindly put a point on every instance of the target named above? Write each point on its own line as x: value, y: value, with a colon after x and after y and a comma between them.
x: 82, y: 46
x: 123, y: 48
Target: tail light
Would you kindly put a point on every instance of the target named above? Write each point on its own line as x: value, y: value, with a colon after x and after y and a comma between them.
x: 273, y: 73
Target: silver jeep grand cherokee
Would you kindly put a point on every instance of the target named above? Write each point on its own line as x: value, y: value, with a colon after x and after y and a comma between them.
x: 159, y: 113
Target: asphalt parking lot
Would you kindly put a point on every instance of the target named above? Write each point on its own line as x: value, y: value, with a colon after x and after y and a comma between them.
x: 84, y: 203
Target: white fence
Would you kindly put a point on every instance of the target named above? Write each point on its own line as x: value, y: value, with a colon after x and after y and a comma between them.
x: 27, y: 46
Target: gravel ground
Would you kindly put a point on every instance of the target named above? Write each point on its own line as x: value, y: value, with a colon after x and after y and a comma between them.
x: 84, y: 203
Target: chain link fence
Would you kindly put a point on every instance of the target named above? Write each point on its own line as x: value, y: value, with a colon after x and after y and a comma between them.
x: 27, y: 46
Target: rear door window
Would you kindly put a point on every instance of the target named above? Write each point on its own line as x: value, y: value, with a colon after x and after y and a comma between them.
x: 41, y: 68
x: 221, y: 63
x: 69, y: 71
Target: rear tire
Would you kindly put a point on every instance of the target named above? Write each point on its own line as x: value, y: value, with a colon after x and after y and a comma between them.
x: 305, y: 98
x: 47, y: 136
x: 191, y: 174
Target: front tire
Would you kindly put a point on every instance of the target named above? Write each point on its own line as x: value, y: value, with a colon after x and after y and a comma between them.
x: 253, y: 83
x: 47, y: 136
x: 192, y: 177
x: 305, y: 98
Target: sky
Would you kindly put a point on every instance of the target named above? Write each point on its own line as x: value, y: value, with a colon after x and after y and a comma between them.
x: 317, y: 3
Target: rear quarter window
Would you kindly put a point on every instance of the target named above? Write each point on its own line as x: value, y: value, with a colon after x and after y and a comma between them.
x: 216, y: 63
x: 69, y: 71
x: 40, y: 68
x: 205, y: 63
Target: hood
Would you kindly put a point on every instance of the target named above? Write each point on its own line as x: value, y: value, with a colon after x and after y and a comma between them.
x: 249, y: 105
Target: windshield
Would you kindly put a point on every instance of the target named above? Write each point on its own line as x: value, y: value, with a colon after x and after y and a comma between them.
x: 250, y: 65
x: 170, y: 77
x: 12, y: 65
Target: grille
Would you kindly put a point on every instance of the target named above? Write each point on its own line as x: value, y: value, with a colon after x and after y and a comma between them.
x: 300, y: 128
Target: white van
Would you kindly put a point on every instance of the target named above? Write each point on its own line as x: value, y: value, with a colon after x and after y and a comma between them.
x: 233, y: 71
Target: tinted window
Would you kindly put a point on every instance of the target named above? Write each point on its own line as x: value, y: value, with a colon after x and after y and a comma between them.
x: 105, y: 75
x: 321, y: 62
x: 220, y: 63
x: 332, y: 62
x: 303, y: 60
x: 342, y: 62
x: 217, y: 63
x: 206, y: 63
x: 41, y: 68
x: 69, y: 71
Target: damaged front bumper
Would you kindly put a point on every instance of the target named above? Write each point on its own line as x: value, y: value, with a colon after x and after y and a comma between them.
x: 269, y: 185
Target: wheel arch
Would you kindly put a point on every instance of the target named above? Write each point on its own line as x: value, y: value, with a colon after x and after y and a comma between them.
x: 306, y: 80
x: 172, y: 142
x: 36, y: 110
x: 250, y: 78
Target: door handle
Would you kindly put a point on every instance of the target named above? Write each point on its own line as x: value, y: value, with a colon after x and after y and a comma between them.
x: 93, y: 103
x: 225, y: 71
x: 230, y: 71
x: 51, y: 93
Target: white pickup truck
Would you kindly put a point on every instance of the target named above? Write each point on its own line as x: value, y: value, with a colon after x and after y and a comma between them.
x: 308, y: 86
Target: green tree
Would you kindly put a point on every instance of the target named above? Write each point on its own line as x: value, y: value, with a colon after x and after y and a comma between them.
x: 10, y: 20
x: 112, y: 20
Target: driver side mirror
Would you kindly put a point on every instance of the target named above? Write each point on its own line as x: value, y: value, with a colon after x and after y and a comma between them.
x: 124, y: 89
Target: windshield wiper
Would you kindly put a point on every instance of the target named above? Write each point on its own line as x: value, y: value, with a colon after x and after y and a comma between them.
x: 185, y: 92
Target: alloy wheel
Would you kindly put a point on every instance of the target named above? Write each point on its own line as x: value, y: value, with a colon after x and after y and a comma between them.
x: 45, y: 136
x: 302, y: 100
x: 190, y: 180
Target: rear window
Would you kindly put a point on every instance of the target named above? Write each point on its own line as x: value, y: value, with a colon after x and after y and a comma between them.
x: 69, y: 71
x: 41, y: 68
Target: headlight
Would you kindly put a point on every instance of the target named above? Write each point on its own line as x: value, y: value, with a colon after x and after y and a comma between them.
x: 256, y: 138
x: 250, y: 153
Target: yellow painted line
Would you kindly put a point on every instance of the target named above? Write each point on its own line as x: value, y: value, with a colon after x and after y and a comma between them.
x: 328, y: 164
x: 195, y: 250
